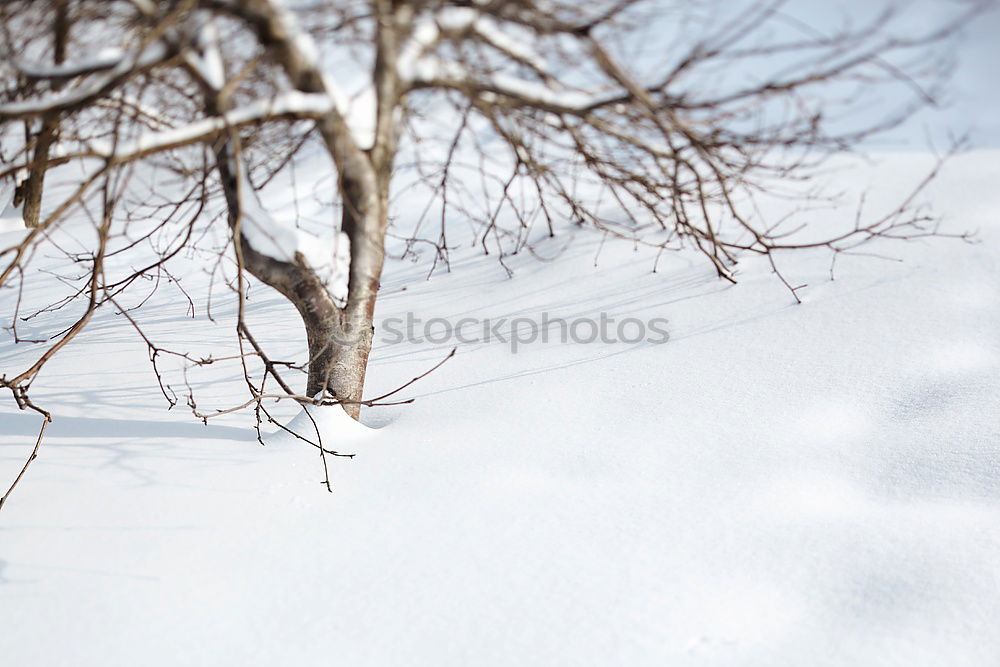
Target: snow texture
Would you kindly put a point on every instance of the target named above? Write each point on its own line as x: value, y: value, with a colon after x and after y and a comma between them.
x: 11, y: 217
x: 778, y: 484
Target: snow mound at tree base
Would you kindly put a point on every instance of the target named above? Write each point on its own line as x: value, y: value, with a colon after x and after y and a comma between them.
x: 331, y: 422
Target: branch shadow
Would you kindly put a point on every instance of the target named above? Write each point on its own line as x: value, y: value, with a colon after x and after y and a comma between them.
x: 89, y: 427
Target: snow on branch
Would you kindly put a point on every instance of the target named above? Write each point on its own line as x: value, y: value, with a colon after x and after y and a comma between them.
x: 117, y: 65
x: 329, y: 258
x: 504, y: 41
x: 292, y: 104
x: 295, y: 51
x: 458, y: 22
x: 433, y: 72
x: 206, y: 58
x: 104, y: 60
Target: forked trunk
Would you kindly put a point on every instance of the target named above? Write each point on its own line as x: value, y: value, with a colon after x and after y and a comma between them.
x: 339, y: 353
x: 338, y: 358
x: 340, y: 339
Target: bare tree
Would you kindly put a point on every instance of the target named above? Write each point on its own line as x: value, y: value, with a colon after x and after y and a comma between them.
x: 657, y: 121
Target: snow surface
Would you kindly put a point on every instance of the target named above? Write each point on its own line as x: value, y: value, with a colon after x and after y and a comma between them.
x: 11, y: 217
x: 777, y: 485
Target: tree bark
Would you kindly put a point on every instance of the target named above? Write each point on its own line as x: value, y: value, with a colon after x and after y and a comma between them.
x: 339, y: 339
x: 30, y: 191
x: 349, y: 342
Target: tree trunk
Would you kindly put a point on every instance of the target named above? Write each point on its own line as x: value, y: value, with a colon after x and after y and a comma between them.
x: 337, y: 362
x: 31, y: 189
x: 340, y: 339
x: 339, y: 356
x: 340, y: 342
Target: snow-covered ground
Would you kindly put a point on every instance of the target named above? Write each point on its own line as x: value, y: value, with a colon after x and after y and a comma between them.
x: 778, y: 484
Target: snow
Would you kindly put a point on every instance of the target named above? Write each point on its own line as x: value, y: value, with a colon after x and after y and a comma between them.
x: 125, y: 62
x: 106, y: 58
x: 425, y: 34
x: 431, y: 70
x: 779, y: 484
x: 362, y: 117
x: 328, y: 257
x: 291, y: 102
x: 209, y: 63
x: 416, y: 63
x: 327, y: 420
x: 456, y: 19
x: 301, y: 40
x: 304, y: 45
x: 540, y: 93
x: 502, y: 39
x: 11, y: 218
